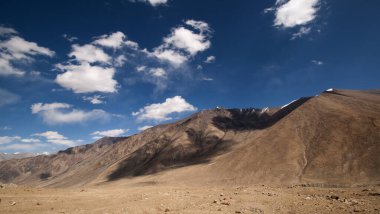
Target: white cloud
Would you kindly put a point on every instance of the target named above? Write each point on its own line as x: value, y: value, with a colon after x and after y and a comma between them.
x: 302, y: 31
x: 207, y: 79
x: 7, y: 97
x: 292, y: 13
x: 56, y: 138
x: 114, y: 40
x: 143, y: 128
x: 85, y: 78
x: 132, y: 44
x: 70, y: 38
x: 120, y: 60
x: 21, y: 146
x: 89, y: 53
x: 199, y: 25
x: 157, y: 72
x: 96, y: 99
x: 109, y: 133
x: 39, y: 107
x: 16, y: 50
x: 187, y: 40
x: 30, y: 140
x: 153, y: 3
x: 210, y: 59
x: 173, y: 57
x: 92, y: 69
x: 8, y: 139
x: 11, y: 139
x: 62, y: 113
x: 141, y: 68
x: 182, y: 43
x: 7, y: 31
x: 161, y: 111
x: 317, y: 62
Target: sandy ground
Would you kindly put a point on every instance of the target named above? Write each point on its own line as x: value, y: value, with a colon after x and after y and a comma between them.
x: 149, y: 197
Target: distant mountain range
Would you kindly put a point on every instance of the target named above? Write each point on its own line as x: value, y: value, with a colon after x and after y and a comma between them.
x: 329, y: 139
x: 17, y: 155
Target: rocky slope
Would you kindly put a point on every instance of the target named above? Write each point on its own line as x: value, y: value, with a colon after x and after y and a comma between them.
x: 329, y: 140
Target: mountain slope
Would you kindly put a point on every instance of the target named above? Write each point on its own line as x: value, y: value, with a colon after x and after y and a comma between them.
x: 331, y: 139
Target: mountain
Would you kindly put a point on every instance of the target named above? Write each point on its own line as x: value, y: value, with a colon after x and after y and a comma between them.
x: 17, y: 155
x: 332, y: 139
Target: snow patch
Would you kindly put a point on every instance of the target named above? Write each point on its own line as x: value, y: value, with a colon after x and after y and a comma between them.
x: 288, y: 104
x: 264, y: 110
x: 330, y: 90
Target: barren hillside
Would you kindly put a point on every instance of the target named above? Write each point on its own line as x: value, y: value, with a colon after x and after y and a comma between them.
x: 329, y: 140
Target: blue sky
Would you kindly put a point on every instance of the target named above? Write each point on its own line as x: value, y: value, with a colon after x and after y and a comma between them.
x: 71, y: 72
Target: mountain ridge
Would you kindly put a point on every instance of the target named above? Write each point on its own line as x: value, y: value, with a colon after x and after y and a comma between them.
x: 330, y: 139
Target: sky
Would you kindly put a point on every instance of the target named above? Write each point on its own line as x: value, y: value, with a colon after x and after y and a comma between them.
x: 72, y: 72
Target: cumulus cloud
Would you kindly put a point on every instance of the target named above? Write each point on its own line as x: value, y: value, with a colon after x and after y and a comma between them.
x: 86, y: 78
x: 295, y: 12
x: 7, y: 97
x: 185, y: 39
x: 210, y: 59
x: 157, y: 72
x: 16, y: 51
x: 109, y: 133
x: 161, y: 111
x: 89, y: 53
x: 143, y: 128
x: 183, y: 43
x: 63, y: 113
x: 92, y: 69
x: 173, y: 57
x: 114, y: 40
x: 56, y: 138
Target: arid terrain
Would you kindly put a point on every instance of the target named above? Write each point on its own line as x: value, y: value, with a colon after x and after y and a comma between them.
x: 315, y: 155
x: 146, y: 196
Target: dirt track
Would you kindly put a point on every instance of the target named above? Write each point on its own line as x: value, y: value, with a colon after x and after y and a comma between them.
x: 149, y: 197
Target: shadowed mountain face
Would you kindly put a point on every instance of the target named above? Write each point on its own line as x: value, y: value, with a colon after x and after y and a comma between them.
x: 331, y: 139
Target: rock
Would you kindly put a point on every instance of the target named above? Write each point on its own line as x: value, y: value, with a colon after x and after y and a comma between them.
x: 12, y: 203
x: 38, y: 203
x: 237, y: 211
x: 374, y: 194
x: 167, y: 210
x: 332, y: 197
x: 366, y: 190
x: 215, y: 201
x: 226, y: 203
x: 308, y: 198
x: 221, y: 194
